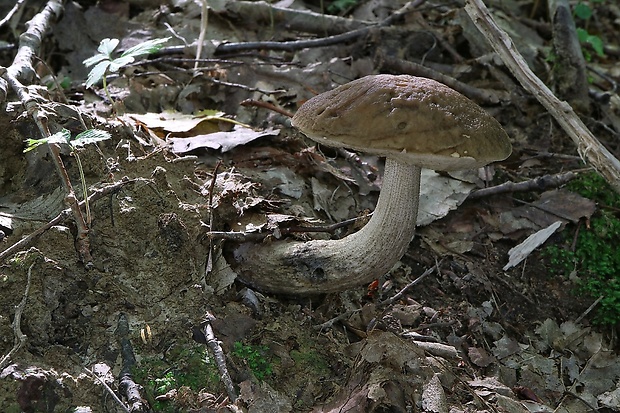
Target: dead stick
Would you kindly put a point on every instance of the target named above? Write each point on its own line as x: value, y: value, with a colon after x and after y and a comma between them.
x: 108, y: 389
x: 29, y: 43
x: 20, y: 338
x: 413, y: 283
x: 588, y: 147
x: 239, y: 236
x: 218, y: 354
x: 126, y: 386
x: 537, y: 184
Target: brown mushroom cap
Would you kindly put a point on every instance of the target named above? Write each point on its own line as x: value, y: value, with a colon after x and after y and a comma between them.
x: 411, y: 119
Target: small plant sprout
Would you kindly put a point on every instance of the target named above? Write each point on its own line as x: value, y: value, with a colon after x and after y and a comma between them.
x: 104, y: 63
x: 584, y: 12
x: 64, y: 137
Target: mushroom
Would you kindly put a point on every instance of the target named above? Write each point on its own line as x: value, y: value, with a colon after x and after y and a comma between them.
x: 414, y: 123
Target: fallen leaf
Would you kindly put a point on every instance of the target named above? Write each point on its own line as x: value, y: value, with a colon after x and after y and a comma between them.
x: 480, y: 357
x: 177, y: 122
x: 223, y: 141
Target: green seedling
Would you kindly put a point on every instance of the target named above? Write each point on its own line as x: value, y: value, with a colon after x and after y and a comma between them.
x: 64, y: 137
x: 104, y: 63
x: 584, y: 12
x: 184, y: 367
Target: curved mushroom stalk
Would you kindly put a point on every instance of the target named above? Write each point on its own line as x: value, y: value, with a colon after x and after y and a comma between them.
x: 324, y: 266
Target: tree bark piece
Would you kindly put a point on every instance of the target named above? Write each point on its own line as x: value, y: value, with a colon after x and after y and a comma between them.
x: 588, y: 147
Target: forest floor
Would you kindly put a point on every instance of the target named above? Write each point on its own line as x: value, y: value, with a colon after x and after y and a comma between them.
x: 178, y: 180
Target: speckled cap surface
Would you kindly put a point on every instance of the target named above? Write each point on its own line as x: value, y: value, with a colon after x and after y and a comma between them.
x: 411, y: 119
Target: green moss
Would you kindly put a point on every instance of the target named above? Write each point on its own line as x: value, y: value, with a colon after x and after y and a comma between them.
x: 594, y: 187
x: 596, y: 258
x: 255, y: 357
x: 310, y: 361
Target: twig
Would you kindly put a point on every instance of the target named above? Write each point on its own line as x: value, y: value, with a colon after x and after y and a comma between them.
x: 20, y: 338
x: 209, y: 264
x: 29, y: 43
x: 320, y: 42
x: 407, y: 287
x: 588, y: 147
x: 238, y: 236
x: 329, y: 323
x: 108, y: 389
x: 540, y: 183
x: 12, y: 12
x: 585, y: 313
x: 293, y: 45
x: 204, y: 22
x: 126, y: 385
x: 266, y: 105
x: 219, y: 356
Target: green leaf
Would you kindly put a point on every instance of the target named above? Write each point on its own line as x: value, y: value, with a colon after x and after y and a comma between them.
x: 59, y: 137
x: 90, y: 136
x: 597, y: 44
x: 150, y: 46
x: 62, y: 136
x: 116, y: 64
x: 97, y: 73
x: 593, y: 40
x: 103, y: 62
x: 582, y: 34
x: 33, y: 143
x: 94, y: 60
x: 107, y: 46
x: 583, y: 11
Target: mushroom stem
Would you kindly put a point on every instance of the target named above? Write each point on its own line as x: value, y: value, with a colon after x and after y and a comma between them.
x: 324, y: 266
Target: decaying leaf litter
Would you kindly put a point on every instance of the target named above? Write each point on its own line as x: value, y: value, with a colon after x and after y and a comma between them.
x: 468, y: 336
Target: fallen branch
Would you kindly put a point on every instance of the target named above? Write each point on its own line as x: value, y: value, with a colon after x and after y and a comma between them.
x: 220, y: 358
x: 20, y: 338
x: 21, y: 70
x: 540, y: 183
x: 409, y: 286
x: 29, y: 43
x: 18, y: 5
x: 588, y: 147
x: 337, y: 38
x: 126, y: 386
